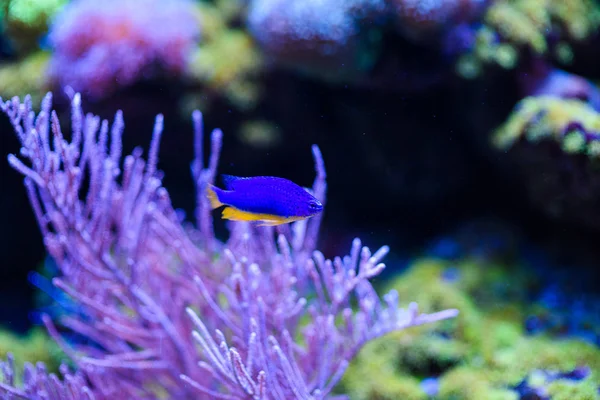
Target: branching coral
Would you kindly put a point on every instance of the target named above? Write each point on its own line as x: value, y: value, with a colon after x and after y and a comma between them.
x: 272, y: 316
x: 100, y: 46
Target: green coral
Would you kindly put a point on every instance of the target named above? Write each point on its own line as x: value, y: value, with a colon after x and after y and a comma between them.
x: 548, y: 118
x: 493, y: 378
x: 211, y: 64
x: 563, y: 389
x: 467, y: 383
x: 25, y: 76
x: 482, y: 354
x: 26, y: 21
x: 260, y: 134
x: 512, y: 26
x: 35, y: 345
x: 375, y: 375
x: 553, y: 145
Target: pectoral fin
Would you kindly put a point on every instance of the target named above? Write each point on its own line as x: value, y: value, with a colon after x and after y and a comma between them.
x: 272, y: 222
x: 275, y: 220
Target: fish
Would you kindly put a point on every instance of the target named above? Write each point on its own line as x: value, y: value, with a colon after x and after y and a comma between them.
x: 266, y: 200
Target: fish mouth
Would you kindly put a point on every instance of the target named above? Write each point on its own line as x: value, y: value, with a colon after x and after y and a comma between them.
x: 315, y: 207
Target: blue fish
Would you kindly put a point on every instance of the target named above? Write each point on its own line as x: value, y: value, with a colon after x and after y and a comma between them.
x: 265, y: 199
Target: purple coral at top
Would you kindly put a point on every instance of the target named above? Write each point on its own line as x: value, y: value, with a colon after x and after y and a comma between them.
x: 271, y: 315
x: 102, y: 45
x: 316, y: 33
x: 421, y: 17
x: 344, y: 40
x: 323, y: 25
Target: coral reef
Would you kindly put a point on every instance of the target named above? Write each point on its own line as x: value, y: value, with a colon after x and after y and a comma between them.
x: 26, y: 22
x: 546, y: 386
x: 260, y: 134
x: 558, y: 313
x: 554, y: 144
x: 329, y: 38
x: 423, y: 19
x: 211, y: 64
x: 343, y: 41
x: 272, y: 316
x: 541, y: 28
x: 99, y: 47
x: 562, y: 84
x: 25, y: 76
x: 486, y: 354
x: 142, y: 303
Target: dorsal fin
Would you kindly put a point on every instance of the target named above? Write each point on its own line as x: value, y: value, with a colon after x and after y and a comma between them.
x: 229, y: 181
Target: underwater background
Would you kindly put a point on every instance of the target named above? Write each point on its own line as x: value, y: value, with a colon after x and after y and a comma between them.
x: 463, y: 134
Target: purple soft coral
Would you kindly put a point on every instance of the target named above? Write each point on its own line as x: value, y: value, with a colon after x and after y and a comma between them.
x: 419, y: 19
x: 102, y: 45
x: 272, y: 315
x: 325, y: 37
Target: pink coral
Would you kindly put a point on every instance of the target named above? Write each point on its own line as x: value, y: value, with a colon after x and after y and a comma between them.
x: 101, y: 45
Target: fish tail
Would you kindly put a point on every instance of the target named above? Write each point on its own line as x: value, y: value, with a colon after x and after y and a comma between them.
x: 213, y: 197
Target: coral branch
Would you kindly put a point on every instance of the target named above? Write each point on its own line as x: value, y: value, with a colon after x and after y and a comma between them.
x: 273, y: 317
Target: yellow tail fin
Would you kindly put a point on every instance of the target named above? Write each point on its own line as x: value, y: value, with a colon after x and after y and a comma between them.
x: 212, y: 197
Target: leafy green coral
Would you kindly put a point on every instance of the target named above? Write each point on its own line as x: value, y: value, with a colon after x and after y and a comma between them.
x: 260, y: 134
x: 212, y: 64
x: 472, y: 383
x: 564, y: 389
x: 482, y: 354
x: 565, y: 121
x: 553, y: 144
x: 540, y: 27
x: 26, y: 21
x: 28, y: 75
